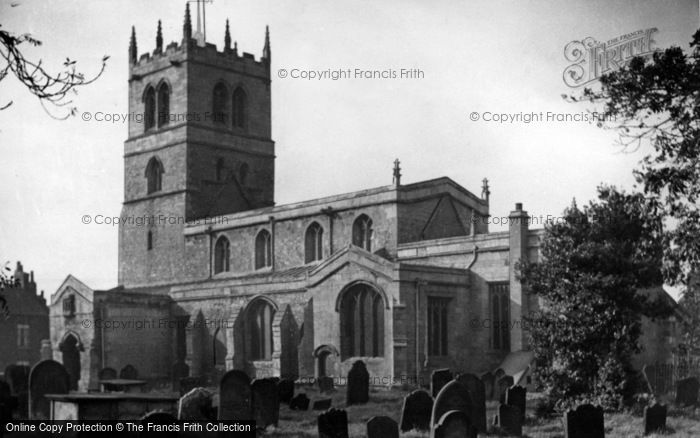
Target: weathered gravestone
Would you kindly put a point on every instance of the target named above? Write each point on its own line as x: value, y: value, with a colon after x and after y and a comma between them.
x: 489, y: 382
x: 107, y: 374
x: 687, y: 391
x: 187, y: 384
x: 417, y: 408
x: 477, y: 392
x: 160, y: 418
x: 299, y: 402
x: 438, y: 379
x: 509, y: 419
x: 654, y: 418
x: 266, y: 402
x: 452, y: 397
x: 586, y: 421
x: 502, y: 384
x: 325, y: 384
x: 333, y: 424
x: 285, y: 390
x: 454, y: 424
x: 17, y: 376
x: 47, y: 377
x: 196, y: 405
x: 358, y: 384
x: 382, y: 427
x: 129, y: 372
x: 322, y: 404
x: 235, y: 399
x: 517, y: 396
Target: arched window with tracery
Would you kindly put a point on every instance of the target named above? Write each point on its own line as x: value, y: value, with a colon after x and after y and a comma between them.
x: 154, y: 175
x: 259, y: 320
x: 149, y: 108
x: 263, y: 250
x: 222, y: 253
x: 240, y: 108
x: 219, y: 103
x: 361, y: 322
x: 313, y: 243
x: 163, y: 104
x: 362, y: 232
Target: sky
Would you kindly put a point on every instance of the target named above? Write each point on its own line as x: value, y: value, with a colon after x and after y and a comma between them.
x: 332, y: 136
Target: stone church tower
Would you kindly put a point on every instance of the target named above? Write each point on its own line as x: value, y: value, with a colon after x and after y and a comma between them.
x: 199, y: 146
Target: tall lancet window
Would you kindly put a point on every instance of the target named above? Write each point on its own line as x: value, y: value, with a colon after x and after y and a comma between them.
x: 240, y: 103
x: 163, y: 104
x: 149, y: 108
x: 219, y: 103
x: 154, y: 175
x: 362, y: 232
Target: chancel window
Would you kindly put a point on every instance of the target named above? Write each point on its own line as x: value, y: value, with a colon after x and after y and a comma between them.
x: 154, y: 175
x: 263, y: 250
x: 500, y: 315
x: 362, y: 322
x: 438, y: 309
x: 313, y: 243
x: 222, y: 254
x: 259, y: 318
x: 362, y: 232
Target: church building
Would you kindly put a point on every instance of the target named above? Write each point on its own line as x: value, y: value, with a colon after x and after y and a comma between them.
x: 213, y: 275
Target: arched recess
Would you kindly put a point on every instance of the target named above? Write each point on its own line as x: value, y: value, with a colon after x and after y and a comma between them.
x: 361, y: 307
x: 326, y: 357
x: 259, y: 338
x: 70, y: 347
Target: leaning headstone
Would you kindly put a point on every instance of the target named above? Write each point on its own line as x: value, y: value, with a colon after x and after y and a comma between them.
x: 196, y: 405
x: 187, y: 384
x: 654, y: 418
x: 586, y: 421
x: 285, y: 390
x: 687, y: 391
x: 266, y: 402
x: 299, y: 402
x: 477, y: 392
x: 454, y: 424
x: 358, y: 384
x: 322, y: 404
x: 325, y: 384
x: 502, y: 384
x: 417, y: 407
x: 333, y: 424
x: 516, y: 396
x: 107, y: 374
x: 382, y: 427
x: 489, y: 382
x: 47, y: 377
x: 235, y: 399
x: 438, y: 379
x: 129, y: 372
x: 509, y: 419
x: 452, y: 397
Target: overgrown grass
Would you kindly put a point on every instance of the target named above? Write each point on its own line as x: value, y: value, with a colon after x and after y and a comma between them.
x: 682, y: 423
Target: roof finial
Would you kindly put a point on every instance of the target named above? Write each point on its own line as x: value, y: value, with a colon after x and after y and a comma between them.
x: 266, y: 49
x: 235, y: 48
x: 485, y: 192
x: 159, y: 39
x: 397, y: 172
x: 187, y: 27
x: 198, y: 35
x: 133, y: 52
x: 227, y: 38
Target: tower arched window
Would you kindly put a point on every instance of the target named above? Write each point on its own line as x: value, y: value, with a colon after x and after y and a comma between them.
x: 362, y: 232
x: 259, y: 320
x: 154, y: 175
x: 263, y: 250
x: 149, y: 108
x: 219, y: 103
x: 149, y: 240
x: 222, y: 253
x: 240, y: 108
x: 243, y: 174
x: 313, y: 243
x: 163, y: 104
x: 361, y: 322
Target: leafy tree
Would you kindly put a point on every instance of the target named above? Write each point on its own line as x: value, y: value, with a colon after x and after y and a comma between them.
x: 657, y: 101
x: 589, y: 278
x: 51, y: 88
